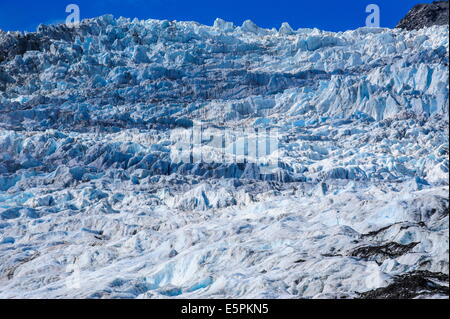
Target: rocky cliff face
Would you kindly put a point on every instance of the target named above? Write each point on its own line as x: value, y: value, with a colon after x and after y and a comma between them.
x: 425, y: 15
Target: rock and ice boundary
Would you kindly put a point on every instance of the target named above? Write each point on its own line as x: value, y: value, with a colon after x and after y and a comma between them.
x: 98, y: 199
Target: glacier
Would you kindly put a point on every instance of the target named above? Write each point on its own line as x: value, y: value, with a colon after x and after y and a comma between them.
x: 93, y: 204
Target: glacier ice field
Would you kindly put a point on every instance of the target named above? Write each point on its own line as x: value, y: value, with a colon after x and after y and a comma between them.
x: 93, y: 204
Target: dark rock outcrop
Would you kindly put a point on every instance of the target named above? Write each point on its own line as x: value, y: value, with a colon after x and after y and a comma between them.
x: 383, y: 252
x: 411, y: 285
x: 425, y: 15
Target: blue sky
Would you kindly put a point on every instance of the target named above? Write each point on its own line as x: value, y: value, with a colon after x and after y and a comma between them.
x: 333, y: 15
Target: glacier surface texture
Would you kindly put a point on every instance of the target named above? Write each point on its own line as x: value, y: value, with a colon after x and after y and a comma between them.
x: 100, y: 198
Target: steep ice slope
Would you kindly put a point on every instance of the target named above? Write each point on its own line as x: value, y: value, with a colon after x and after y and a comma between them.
x: 92, y: 203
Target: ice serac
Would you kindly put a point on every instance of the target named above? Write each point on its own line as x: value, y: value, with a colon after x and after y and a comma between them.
x: 97, y: 198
